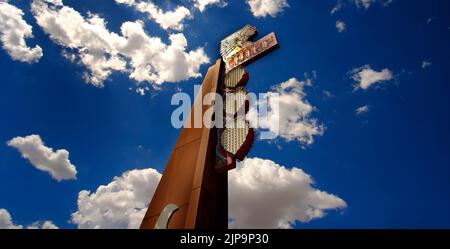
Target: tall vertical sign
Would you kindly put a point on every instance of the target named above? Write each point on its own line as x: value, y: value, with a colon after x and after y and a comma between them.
x: 193, y: 191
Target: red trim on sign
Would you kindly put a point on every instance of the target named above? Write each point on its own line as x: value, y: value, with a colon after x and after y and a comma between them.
x: 243, y: 81
x: 246, y: 146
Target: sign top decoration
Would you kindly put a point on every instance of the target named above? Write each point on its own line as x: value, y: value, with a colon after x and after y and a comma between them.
x: 238, y: 50
x: 236, y: 41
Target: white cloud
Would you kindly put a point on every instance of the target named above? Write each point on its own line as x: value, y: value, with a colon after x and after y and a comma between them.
x: 166, y: 19
x: 127, y: 2
x: 367, y: 3
x: 263, y: 8
x: 13, y: 32
x: 175, y: 19
x: 120, y: 204
x: 367, y: 77
x: 44, y: 158
x: 340, y: 26
x: 336, y: 8
x: 42, y: 225
x: 426, y: 64
x: 145, y: 58
x: 203, y: 4
x: 142, y: 90
x: 364, y: 3
x: 292, y: 120
x: 327, y: 94
x: 263, y: 194
x: 363, y: 109
x: 7, y: 223
x: 6, y: 220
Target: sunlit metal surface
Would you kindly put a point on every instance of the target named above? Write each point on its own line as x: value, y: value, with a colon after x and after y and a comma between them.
x: 164, y: 217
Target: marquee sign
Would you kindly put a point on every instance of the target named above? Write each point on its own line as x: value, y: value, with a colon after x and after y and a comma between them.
x: 251, y: 51
x: 236, y: 139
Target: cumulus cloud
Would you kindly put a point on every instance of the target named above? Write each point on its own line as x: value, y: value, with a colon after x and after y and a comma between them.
x: 42, y: 225
x: 6, y: 220
x: 328, y: 94
x: 263, y: 8
x: 203, y: 4
x: 166, y: 19
x: 57, y: 164
x: 263, y: 194
x: 367, y: 3
x: 361, y: 110
x: 7, y: 223
x: 336, y: 7
x: 143, y: 57
x: 364, y: 3
x: 13, y: 32
x: 367, y: 77
x: 120, y: 204
x: 340, y: 26
x: 289, y: 113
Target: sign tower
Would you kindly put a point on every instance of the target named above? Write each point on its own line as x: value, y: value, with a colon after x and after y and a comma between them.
x: 193, y: 191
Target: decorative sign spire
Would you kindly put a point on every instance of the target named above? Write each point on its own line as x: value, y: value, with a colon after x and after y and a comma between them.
x: 190, y: 194
x: 235, y: 41
x: 236, y: 139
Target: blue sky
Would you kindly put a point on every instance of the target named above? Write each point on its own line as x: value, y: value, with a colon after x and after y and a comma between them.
x: 390, y: 164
